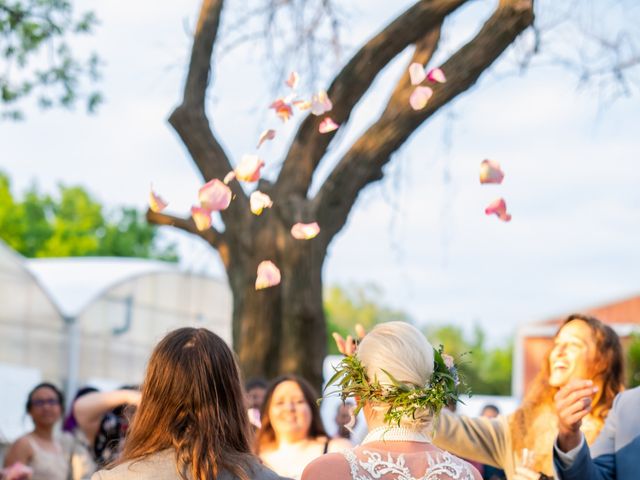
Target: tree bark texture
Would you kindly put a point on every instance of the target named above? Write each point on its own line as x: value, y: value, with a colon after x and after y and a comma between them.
x: 282, y: 329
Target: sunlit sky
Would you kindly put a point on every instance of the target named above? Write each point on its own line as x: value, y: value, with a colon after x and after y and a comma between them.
x: 572, y: 178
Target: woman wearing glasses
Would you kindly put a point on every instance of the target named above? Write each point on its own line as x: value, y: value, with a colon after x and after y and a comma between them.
x: 40, y: 454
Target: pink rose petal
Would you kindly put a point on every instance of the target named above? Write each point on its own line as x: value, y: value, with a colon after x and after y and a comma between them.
x: 282, y: 109
x: 499, y: 208
x: 320, y: 103
x: 156, y: 203
x: 214, y: 195
x: 305, y: 231
x: 259, y: 201
x: 416, y: 73
x: 490, y: 172
x: 268, y: 275
x: 228, y: 177
x: 302, y: 104
x: 266, y: 135
x: 292, y: 80
x: 327, y: 125
x: 436, y: 75
x: 201, y: 217
x: 17, y: 471
x: 419, y: 98
x: 249, y: 168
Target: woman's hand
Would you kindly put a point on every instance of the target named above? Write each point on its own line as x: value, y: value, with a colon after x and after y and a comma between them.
x: 348, y: 346
x: 524, y: 473
x: 17, y: 471
x: 573, y: 403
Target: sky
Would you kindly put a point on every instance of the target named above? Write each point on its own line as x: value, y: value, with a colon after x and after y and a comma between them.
x: 572, y: 180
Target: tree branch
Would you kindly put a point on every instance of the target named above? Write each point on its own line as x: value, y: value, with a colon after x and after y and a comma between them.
x: 363, y: 163
x: 190, y: 120
x: 211, y: 236
x: 309, y: 146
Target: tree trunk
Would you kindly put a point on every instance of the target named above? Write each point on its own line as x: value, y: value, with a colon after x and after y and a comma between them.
x: 279, y: 329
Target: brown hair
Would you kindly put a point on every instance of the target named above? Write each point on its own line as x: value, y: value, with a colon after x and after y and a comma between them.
x: 608, y: 369
x: 192, y: 402
x: 266, y: 435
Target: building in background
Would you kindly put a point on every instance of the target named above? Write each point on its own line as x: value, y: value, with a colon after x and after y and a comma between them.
x: 535, y: 340
x: 78, y: 321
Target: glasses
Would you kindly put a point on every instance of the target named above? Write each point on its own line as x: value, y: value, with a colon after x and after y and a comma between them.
x: 52, y: 402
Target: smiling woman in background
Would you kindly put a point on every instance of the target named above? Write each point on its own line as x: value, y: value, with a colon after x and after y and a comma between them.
x: 292, y: 434
x: 44, y: 452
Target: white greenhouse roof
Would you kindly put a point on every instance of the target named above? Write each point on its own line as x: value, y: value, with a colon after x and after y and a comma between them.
x: 73, y: 283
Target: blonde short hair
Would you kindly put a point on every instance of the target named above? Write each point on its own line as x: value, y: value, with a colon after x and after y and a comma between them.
x: 402, y: 350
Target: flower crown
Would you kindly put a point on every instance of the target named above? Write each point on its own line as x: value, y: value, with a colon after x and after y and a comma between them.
x: 404, y: 400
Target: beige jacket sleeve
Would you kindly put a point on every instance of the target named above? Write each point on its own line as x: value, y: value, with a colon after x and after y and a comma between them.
x: 482, y: 440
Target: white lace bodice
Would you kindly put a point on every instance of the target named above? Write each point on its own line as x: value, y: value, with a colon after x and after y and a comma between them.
x: 370, y: 464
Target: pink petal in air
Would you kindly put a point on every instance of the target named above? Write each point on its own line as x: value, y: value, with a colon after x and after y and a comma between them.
x: 156, y: 203
x: 228, y: 177
x: 305, y: 231
x: 292, y: 80
x: 320, y: 103
x: 499, y: 208
x: 259, y: 201
x: 327, y: 125
x: 249, y: 168
x: 416, y: 73
x: 268, y: 275
x: 419, y: 98
x: 201, y: 217
x: 282, y: 109
x: 490, y: 172
x: 436, y: 75
x: 266, y: 135
x: 214, y: 195
x: 302, y: 104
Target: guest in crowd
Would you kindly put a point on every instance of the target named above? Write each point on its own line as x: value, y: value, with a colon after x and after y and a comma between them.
x: 345, y: 420
x: 614, y: 455
x: 292, y: 433
x: 401, y: 383
x: 255, y: 391
x: 191, y: 423
x: 46, y: 454
x: 521, y: 443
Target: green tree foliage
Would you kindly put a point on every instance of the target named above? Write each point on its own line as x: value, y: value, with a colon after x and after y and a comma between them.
x: 73, y: 224
x: 486, y: 370
x: 35, y: 57
x: 345, y: 307
x: 633, y: 361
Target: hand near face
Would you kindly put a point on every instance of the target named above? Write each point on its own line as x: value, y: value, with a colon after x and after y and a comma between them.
x: 524, y: 473
x: 572, y: 403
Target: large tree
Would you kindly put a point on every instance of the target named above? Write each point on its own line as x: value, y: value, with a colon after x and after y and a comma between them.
x: 283, y: 328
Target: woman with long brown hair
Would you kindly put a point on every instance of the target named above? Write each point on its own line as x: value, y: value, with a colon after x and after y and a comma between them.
x: 522, y: 443
x: 291, y: 433
x: 191, y: 423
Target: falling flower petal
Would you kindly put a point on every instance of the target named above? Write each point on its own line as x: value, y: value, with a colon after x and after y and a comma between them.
x: 266, y: 135
x: 249, y: 168
x: 17, y: 470
x: 302, y: 104
x: 436, y: 76
x: 259, y: 201
x: 268, y: 275
x: 201, y: 217
x: 292, y: 81
x: 499, y: 208
x: 228, y: 177
x: 156, y: 203
x: 327, y: 125
x: 305, y: 231
x: 420, y: 97
x: 282, y: 109
x: 214, y: 195
x: 490, y: 172
x: 416, y: 73
x: 320, y: 103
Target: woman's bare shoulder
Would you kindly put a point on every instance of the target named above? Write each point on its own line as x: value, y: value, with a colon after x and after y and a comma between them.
x: 331, y: 465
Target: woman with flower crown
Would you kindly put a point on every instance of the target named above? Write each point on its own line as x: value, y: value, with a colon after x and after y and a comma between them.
x: 401, y: 383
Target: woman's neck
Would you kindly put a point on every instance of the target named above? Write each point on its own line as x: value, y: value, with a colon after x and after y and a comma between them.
x: 43, y: 432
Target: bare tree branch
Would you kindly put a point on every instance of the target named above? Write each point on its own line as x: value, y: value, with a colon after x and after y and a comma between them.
x: 309, y: 146
x: 211, y: 236
x: 190, y: 120
x: 363, y: 163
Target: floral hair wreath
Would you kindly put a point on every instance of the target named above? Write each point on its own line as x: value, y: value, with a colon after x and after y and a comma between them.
x: 404, y: 400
